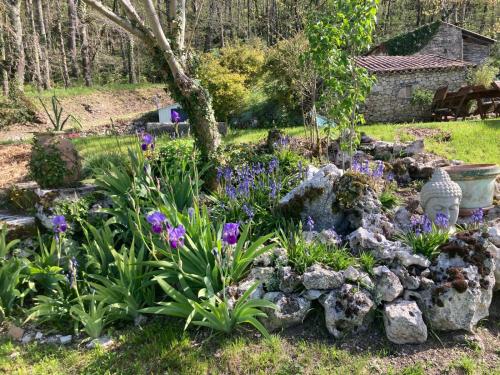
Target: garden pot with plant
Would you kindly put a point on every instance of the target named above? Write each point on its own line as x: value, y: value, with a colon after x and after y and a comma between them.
x: 54, y: 159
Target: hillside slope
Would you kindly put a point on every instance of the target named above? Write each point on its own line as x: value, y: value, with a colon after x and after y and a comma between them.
x: 93, y: 107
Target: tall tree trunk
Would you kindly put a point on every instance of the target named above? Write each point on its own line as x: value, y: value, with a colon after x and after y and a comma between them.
x: 47, y: 7
x: 195, y: 100
x: 44, y: 48
x: 418, y: 13
x: 123, y: 52
x: 73, y: 31
x: 64, y: 60
x: 36, y: 45
x: 132, y: 76
x: 86, y: 61
x: 4, y: 74
x: 18, y: 58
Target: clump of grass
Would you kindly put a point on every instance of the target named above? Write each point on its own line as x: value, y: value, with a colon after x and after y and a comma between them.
x: 389, y: 199
x: 367, y: 261
x: 466, y: 364
x: 303, y: 254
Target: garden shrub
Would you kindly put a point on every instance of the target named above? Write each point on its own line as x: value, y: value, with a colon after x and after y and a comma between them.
x: 16, y: 109
x: 226, y: 87
x: 46, y: 165
x: 484, y: 75
x: 286, y: 76
x: 245, y: 59
x: 422, y: 99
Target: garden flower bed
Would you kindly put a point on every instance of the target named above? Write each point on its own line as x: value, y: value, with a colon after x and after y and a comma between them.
x: 278, y: 239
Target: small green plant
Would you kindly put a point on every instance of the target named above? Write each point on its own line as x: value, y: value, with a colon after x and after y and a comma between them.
x: 416, y: 369
x: 56, y: 117
x: 46, y: 165
x: 213, y: 312
x: 466, y: 364
x: 484, y: 75
x: 93, y: 319
x: 425, y: 237
x: 303, y: 253
x: 422, y: 98
x: 367, y: 261
x: 388, y: 196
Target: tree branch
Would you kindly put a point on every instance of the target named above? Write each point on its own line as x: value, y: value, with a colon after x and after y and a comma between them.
x: 158, y: 32
x: 120, y: 21
x: 133, y: 15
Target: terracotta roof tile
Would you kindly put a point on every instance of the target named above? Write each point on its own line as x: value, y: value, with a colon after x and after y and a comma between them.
x: 392, y: 64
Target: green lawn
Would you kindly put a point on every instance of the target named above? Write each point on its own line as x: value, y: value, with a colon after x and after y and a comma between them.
x: 162, y: 348
x: 471, y: 141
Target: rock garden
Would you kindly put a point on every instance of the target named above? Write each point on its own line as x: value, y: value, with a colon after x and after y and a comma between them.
x: 390, y: 238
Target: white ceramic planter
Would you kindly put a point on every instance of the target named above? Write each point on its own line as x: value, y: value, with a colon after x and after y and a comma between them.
x: 477, y: 182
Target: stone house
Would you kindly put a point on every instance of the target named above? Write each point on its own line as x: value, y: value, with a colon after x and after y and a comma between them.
x: 434, y: 55
x: 390, y: 99
x: 441, y: 39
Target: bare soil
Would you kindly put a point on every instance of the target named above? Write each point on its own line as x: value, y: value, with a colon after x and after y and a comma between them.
x: 14, y: 163
x: 95, y: 110
x: 422, y: 133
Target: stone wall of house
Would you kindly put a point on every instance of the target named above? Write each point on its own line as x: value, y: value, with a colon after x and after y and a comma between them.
x: 475, y: 52
x: 446, y: 43
x: 390, y: 98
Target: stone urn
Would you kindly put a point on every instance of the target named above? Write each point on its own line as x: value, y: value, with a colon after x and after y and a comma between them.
x: 477, y: 182
x: 57, y: 142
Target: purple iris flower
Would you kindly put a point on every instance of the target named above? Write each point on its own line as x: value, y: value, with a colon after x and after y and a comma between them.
x: 176, y: 236
x: 477, y: 216
x: 156, y: 219
x: 175, y: 116
x: 59, y: 224
x: 230, y: 233
x: 442, y: 220
x: 310, y: 224
x: 147, y: 141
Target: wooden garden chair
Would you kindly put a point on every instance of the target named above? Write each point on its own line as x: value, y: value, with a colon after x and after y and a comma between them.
x: 438, y: 110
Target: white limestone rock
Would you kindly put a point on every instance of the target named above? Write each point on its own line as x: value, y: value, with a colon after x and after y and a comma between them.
x: 387, y: 284
x: 291, y: 310
x: 347, y: 310
x: 403, y: 322
x: 321, y: 277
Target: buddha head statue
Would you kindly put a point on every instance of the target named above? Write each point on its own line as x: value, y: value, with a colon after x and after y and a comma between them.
x: 441, y: 195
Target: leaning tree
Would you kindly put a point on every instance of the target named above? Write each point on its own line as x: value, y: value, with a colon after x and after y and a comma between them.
x: 142, y: 21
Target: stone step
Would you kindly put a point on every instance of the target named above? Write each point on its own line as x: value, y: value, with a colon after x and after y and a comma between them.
x: 18, y: 226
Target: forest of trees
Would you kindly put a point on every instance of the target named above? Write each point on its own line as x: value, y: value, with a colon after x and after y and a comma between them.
x: 49, y: 43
